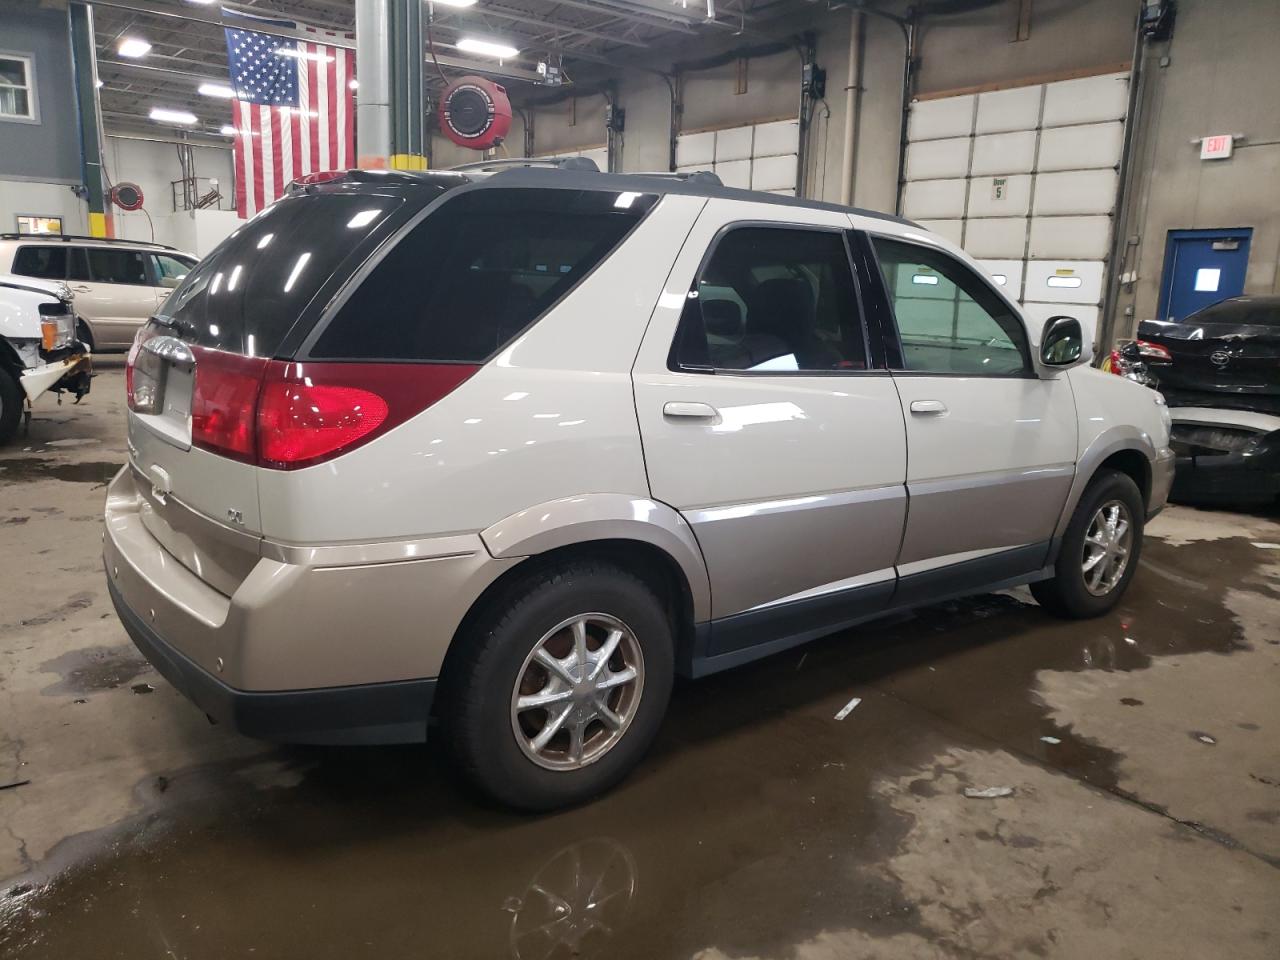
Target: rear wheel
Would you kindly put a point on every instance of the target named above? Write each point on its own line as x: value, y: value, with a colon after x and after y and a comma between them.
x: 10, y: 406
x: 1099, y: 552
x: 559, y: 691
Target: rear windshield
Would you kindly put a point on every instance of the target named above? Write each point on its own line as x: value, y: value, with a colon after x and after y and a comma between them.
x: 247, y: 294
x: 476, y: 272
x: 1250, y: 311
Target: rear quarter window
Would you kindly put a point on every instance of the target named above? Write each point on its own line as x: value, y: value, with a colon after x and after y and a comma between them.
x: 476, y: 272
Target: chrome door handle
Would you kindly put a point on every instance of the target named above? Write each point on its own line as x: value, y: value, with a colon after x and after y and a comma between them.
x: 927, y: 407
x: 689, y: 410
x: 80, y: 288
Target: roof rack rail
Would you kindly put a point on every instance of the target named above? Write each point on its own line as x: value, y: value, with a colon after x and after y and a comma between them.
x: 67, y: 237
x: 579, y: 164
x: 705, y: 177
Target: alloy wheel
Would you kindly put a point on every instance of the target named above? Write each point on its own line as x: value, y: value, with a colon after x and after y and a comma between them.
x: 1107, y: 544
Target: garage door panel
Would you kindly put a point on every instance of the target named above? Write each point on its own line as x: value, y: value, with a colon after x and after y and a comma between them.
x: 996, y: 239
x: 734, y: 144
x: 1007, y: 275
x: 953, y: 230
x: 938, y: 159
x: 1069, y: 238
x: 599, y: 155
x: 940, y: 119
x: 935, y: 199
x: 1038, y: 313
x: 1088, y: 146
x: 998, y: 153
x: 696, y: 150
x: 777, y: 138
x: 735, y: 173
x: 927, y: 317
x: 1065, y: 281
x: 1076, y: 192
x: 1087, y: 100
x: 1002, y: 111
x: 1000, y: 196
x: 774, y: 173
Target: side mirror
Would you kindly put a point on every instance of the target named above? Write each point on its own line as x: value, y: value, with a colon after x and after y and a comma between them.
x: 1062, y: 343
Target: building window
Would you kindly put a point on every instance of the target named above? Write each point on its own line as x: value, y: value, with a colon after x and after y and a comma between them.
x: 17, y: 87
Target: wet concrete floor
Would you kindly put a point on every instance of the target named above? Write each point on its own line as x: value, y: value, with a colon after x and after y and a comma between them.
x: 1141, y: 749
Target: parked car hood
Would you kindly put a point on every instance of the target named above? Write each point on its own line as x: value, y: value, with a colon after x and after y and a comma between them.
x: 54, y: 287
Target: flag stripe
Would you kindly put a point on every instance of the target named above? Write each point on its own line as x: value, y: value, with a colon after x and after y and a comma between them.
x: 259, y: 184
x: 331, y: 85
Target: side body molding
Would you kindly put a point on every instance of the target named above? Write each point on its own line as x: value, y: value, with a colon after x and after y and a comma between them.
x: 604, y: 516
x: 1110, y: 441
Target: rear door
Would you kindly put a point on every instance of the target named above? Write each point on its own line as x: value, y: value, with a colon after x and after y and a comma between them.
x: 113, y: 290
x: 765, y: 422
x: 990, y: 446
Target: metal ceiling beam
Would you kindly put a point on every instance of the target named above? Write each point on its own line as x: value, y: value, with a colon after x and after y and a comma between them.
x: 550, y: 25
x: 188, y: 14
x: 142, y: 70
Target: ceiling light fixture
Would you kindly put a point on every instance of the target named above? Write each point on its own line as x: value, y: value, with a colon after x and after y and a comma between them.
x: 220, y: 90
x: 227, y: 130
x: 164, y: 115
x: 133, y: 47
x: 455, y: 3
x: 487, y: 48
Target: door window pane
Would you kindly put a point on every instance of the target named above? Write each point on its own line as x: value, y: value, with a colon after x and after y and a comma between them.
x: 46, y: 263
x: 77, y: 265
x: 949, y: 320
x: 117, y: 266
x: 169, y: 270
x: 774, y: 300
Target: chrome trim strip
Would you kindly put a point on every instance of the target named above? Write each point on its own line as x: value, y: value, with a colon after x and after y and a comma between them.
x: 848, y: 583
x: 369, y: 554
x: 934, y: 563
x: 739, y: 511
x: 971, y: 481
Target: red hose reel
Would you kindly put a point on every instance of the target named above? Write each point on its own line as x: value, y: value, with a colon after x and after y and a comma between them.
x: 475, y: 113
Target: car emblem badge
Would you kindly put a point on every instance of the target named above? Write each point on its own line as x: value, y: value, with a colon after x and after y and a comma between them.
x: 1220, y: 358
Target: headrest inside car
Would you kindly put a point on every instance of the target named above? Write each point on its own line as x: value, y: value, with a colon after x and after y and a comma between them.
x: 722, y: 318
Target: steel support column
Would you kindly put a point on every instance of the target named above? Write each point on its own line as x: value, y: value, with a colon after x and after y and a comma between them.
x: 85, y: 68
x: 390, y: 111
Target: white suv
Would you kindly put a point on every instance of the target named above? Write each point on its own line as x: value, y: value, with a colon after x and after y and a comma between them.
x: 117, y: 284
x: 508, y: 452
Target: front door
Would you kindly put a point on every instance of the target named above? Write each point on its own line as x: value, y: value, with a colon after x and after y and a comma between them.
x: 991, y: 447
x: 1202, y: 267
x: 765, y: 426
x: 113, y: 290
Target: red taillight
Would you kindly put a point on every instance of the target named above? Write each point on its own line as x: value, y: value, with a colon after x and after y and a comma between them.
x: 1153, y: 351
x: 224, y: 401
x: 309, y: 412
x: 286, y: 415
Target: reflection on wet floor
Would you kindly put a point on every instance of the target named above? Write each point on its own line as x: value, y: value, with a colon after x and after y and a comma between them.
x: 754, y: 825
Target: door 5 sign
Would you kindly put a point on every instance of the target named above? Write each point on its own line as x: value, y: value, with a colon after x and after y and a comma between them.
x: 1218, y: 147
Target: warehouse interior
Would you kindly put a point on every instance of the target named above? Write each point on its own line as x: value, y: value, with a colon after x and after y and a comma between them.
x: 971, y: 778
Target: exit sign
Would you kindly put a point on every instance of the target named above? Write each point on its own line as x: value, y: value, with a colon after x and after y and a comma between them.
x: 1217, y: 148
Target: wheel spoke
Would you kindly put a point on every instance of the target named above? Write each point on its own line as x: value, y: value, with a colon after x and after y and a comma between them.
x: 553, y: 725
x: 580, y: 643
x: 556, y: 666
x: 542, y: 698
x: 1096, y: 575
x: 607, y: 716
x: 1094, y: 560
x: 605, y: 652
x: 576, y: 738
x: 623, y: 676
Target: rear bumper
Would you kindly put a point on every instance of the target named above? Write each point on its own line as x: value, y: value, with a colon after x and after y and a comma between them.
x: 394, y: 712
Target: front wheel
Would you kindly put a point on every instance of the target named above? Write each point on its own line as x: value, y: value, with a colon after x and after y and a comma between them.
x: 1099, y: 551
x: 10, y: 406
x: 557, y: 693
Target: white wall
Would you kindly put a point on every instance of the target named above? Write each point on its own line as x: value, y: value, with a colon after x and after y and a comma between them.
x: 41, y: 199
x: 153, y: 165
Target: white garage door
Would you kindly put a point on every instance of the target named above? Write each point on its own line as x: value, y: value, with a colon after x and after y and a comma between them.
x: 1025, y: 180
x: 599, y: 154
x: 758, y: 156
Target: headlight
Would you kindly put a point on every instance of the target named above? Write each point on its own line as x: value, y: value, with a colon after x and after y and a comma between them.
x: 57, y: 326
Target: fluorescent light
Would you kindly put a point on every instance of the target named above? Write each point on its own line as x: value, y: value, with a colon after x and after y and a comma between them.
x: 133, y: 47
x: 227, y: 130
x: 486, y: 47
x: 172, y: 116
x: 455, y: 3
x: 302, y: 54
x: 353, y: 85
x: 215, y: 90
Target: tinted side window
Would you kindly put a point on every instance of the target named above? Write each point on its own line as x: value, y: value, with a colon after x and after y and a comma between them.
x: 77, y: 264
x: 170, y: 269
x: 117, y: 266
x: 774, y: 299
x: 46, y: 263
x: 476, y: 272
x: 949, y: 320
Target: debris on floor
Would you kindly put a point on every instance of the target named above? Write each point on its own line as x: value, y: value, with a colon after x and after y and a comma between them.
x: 848, y: 708
x: 16, y: 783
x: 1204, y: 738
x: 1053, y: 740
x: 1266, y: 546
x: 987, y: 793
x: 143, y: 688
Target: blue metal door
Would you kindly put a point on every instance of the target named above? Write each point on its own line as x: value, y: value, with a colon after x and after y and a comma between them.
x: 1202, y: 267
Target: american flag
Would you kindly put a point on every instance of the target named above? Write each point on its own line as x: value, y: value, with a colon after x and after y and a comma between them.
x: 293, y: 112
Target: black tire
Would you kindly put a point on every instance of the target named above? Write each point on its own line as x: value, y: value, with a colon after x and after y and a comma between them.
x: 1066, y: 594
x: 481, y: 677
x: 11, y: 398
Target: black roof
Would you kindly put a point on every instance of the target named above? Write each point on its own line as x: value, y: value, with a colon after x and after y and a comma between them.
x: 576, y: 173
